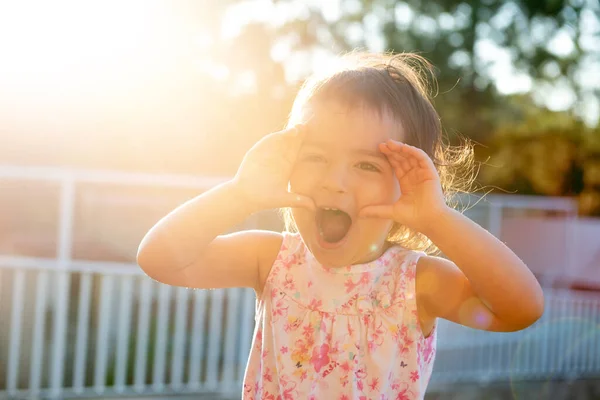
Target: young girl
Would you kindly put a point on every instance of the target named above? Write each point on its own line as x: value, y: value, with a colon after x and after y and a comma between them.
x: 347, y: 306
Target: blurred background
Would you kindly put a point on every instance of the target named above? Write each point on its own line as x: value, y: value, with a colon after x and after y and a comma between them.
x: 114, y: 112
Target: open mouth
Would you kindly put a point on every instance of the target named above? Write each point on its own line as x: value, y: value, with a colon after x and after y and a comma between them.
x: 333, y: 224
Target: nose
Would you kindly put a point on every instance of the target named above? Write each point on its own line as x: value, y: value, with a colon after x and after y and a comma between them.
x: 334, y: 179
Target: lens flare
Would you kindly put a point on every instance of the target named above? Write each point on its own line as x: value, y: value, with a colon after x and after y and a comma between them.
x: 562, y: 348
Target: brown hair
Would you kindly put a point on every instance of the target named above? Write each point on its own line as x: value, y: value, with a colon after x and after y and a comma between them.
x: 395, y: 84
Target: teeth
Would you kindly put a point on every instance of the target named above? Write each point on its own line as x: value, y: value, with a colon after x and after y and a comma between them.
x: 330, y: 209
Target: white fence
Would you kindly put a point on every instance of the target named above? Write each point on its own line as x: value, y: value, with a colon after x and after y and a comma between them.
x: 120, y: 333
x: 89, y: 328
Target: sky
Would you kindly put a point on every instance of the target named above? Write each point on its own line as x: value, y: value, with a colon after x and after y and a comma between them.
x: 58, y: 53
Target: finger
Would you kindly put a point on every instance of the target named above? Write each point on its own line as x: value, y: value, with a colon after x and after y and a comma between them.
x: 295, y: 201
x: 421, y: 157
x: 400, y: 174
x: 398, y: 168
x: 292, y: 135
x: 380, y: 211
x: 395, y: 157
x: 292, y: 139
x: 413, y: 162
x: 401, y: 161
x: 394, y: 151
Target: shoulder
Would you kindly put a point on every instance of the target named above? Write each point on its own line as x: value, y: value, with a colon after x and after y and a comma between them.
x: 259, y: 246
x: 269, y: 245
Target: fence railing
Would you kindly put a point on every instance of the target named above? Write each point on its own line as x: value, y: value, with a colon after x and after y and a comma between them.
x: 563, y: 344
x: 74, y: 327
x: 120, y: 333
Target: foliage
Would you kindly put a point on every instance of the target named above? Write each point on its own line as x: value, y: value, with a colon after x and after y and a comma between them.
x: 531, y: 150
x: 547, y: 153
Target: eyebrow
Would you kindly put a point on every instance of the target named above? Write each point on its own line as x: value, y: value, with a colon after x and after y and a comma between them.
x: 364, y: 152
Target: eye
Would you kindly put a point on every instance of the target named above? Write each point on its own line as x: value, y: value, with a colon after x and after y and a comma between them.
x: 314, y: 158
x: 367, y: 166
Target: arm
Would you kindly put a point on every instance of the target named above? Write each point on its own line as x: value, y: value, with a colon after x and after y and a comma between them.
x: 184, y: 248
x: 485, y: 286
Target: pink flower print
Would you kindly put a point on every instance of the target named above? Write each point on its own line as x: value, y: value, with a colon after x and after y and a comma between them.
x: 288, y: 282
x: 349, y: 304
x: 345, y: 367
x: 310, y: 283
x: 374, y: 385
x: 365, y: 278
x: 292, y: 324
x: 267, y: 375
x: 349, y: 285
x: 361, y: 372
x: 404, y: 344
x: 258, y: 341
x: 414, y: 376
x: 359, y: 384
x: 303, y: 376
x: 377, y: 336
x: 349, y: 327
x: 279, y: 310
x: 265, y: 354
x: 289, y: 393
x: 371, y: 345
x: 344, y: 381
x: 315, y: 305
x: 403, y: 392
x: 404, y: 330
x: 333, y: 318
x: 344, y: 397
x: 366, y: 320
x: 411, y: 271
x: 428, y: 349
x: 307, y: 331
x: 247, y: 388
x: 320, y: 357
x: 300, y: 354
x: 385, y: 260
x: 290, y: 261
x: 383, y: 299
x: 283, y: 350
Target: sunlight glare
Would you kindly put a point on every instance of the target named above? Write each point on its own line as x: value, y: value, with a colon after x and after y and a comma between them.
x: 71, y: 48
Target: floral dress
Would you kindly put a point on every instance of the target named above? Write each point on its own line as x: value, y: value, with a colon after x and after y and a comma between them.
x: 340, y: 334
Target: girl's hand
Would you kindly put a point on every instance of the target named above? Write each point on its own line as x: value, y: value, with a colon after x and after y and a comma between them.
x: 421, y: 198
x: 263, y: 176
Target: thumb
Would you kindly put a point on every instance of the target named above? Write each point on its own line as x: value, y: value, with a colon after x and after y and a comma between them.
x: 381, y: 211
x: 296, y: 201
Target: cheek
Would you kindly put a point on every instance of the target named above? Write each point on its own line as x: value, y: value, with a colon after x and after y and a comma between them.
x: 302, y: 218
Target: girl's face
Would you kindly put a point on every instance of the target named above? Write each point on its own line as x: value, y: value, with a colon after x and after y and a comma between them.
x: 341, y: 168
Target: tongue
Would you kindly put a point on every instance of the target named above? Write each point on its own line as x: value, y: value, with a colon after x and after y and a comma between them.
x: 333, y: 225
